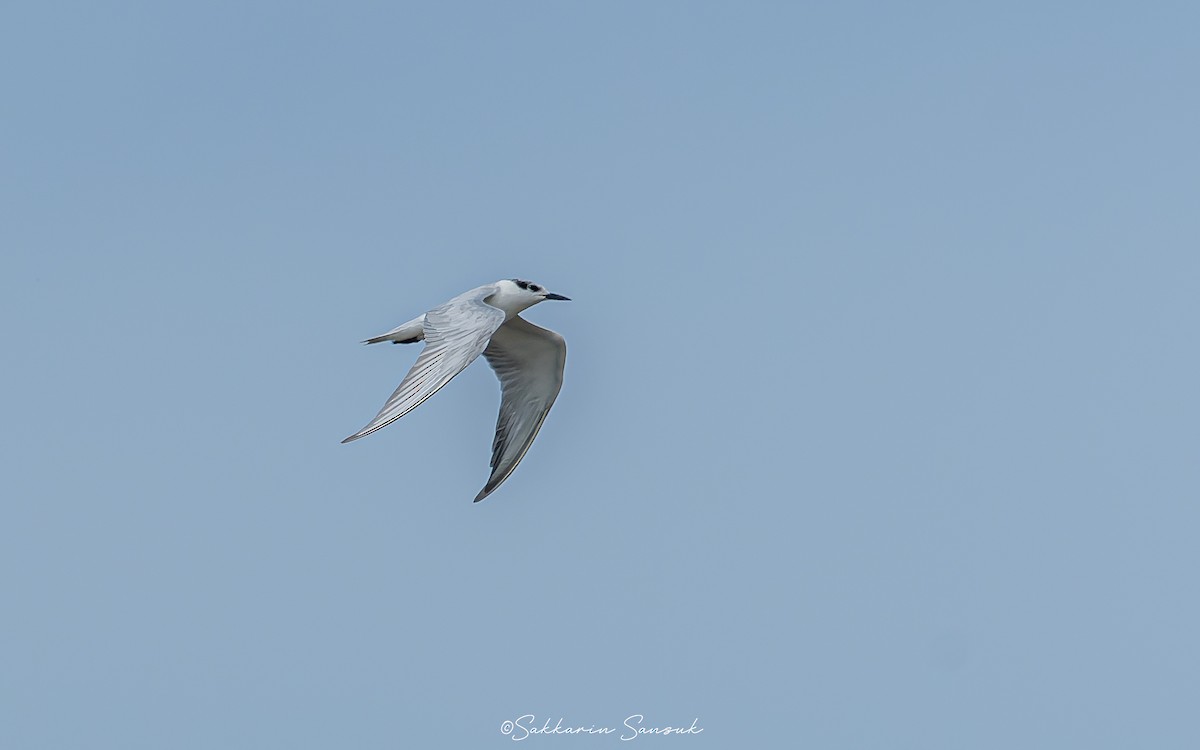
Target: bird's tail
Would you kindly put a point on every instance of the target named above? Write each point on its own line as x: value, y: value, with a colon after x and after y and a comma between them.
x: 408, y: 333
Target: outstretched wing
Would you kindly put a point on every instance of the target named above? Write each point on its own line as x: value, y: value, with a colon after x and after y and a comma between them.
x: 455, y: 334
x: 529, y: 362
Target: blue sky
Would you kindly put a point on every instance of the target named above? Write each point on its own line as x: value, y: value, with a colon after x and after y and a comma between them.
x: 879, y: 426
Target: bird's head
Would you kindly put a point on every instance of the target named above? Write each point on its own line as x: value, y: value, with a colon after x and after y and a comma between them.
x: 526, y: 294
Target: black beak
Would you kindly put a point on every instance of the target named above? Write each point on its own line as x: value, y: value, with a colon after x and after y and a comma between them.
x: 552, y: 295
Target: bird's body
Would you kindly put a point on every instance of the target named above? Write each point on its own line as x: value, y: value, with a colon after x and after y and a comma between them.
x: 528, y: 360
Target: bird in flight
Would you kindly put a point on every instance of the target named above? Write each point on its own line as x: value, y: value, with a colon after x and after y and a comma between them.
x: 528, y: 360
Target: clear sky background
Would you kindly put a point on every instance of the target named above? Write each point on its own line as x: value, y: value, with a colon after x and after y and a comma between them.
x: 880, y: 420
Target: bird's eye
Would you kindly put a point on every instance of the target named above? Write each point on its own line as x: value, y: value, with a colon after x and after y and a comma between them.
x: 534, y: 288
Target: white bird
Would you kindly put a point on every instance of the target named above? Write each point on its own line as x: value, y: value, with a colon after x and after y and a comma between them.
x: 528, y: 360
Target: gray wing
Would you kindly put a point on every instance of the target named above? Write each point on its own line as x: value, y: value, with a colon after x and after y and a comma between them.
x: 455, y: 334
x: 529, y: 362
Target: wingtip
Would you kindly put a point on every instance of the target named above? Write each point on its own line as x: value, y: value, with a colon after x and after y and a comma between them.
x: 482, y: 494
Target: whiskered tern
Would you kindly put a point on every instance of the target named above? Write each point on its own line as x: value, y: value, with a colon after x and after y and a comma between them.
x: 527, y: 359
